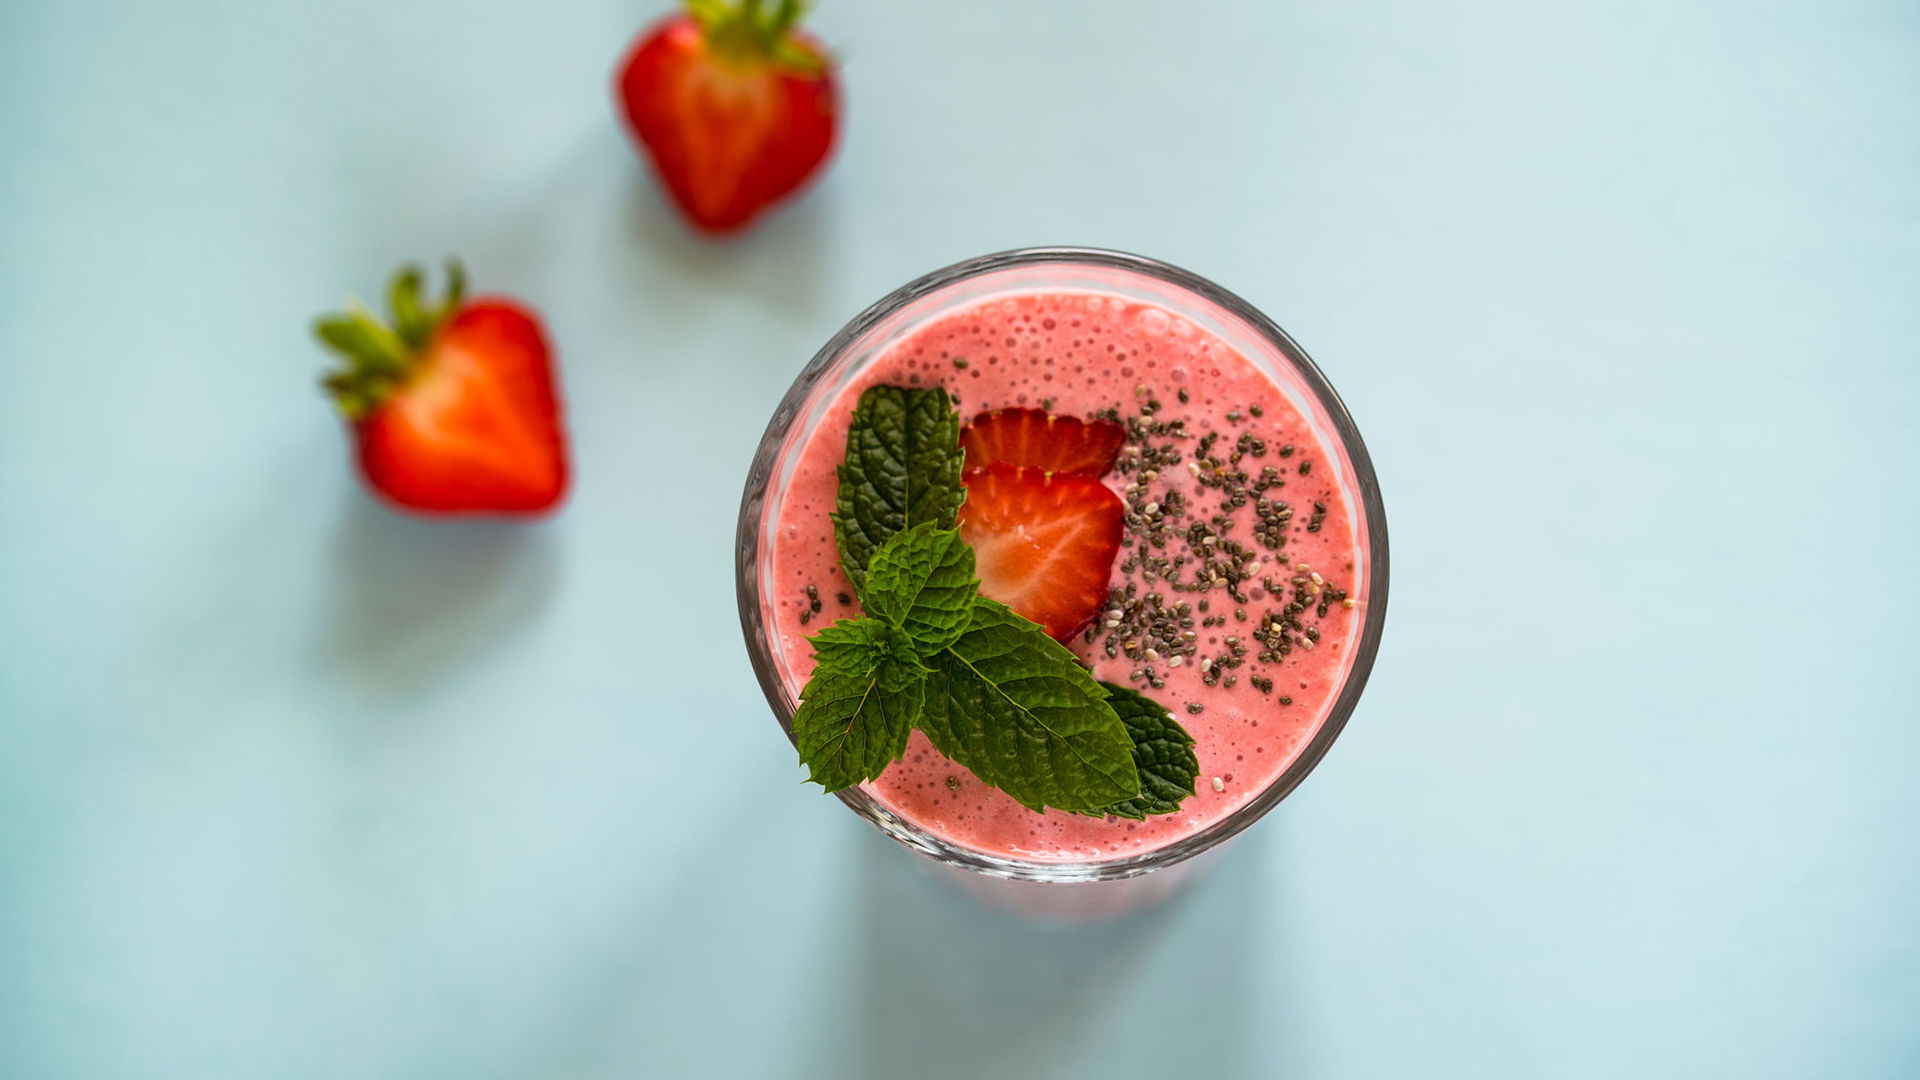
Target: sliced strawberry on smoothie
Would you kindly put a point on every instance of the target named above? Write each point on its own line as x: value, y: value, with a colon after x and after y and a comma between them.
x: 1043, y: 542
x: 1043, y: 440
x: 452, y: 406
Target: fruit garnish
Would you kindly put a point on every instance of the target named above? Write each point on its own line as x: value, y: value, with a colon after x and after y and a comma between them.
x: 989, y: 688
x: 1043, y: 440
x: 733, y: 104
x: 452, y: 405
x: 1045, y: 542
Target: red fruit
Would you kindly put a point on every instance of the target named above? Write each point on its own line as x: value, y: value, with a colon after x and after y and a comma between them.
x: 453, y: 407
x: 734, y: 106
x: 1043, y: 440
x: 1044, y: 543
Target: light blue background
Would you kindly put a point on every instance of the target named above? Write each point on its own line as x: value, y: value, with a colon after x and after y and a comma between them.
x: 1625, y: 296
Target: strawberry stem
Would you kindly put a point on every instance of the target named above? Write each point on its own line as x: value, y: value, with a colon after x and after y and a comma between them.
x: 378, y: 357
x: 746, y: 32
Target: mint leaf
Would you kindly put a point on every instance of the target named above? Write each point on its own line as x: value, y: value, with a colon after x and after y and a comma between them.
x: 922, y: 580
x: 1162, y: 752
x: 990, y: 688
x: 1016, y: 708
x: 859, y: 646
x: 902, y: 467
x: 850, y: 728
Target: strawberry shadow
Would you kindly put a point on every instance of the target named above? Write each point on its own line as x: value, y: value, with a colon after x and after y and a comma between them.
x: 414, y: 599
x: 779, y: 266
x: 944, y: 986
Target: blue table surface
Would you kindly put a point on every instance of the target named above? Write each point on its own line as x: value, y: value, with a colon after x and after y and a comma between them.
x: 1625, y: 296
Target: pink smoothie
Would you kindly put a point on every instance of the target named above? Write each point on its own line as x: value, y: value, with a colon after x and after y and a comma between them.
x: 1252, y: 682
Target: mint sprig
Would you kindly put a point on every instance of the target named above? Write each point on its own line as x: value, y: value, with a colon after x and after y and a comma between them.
x: 1162, y: 752
x: 1017, y: 709
x: 991, y: 690
x: 902, y: 468
x: 922, y: 580
x: 850, y: 728
x: 869, y: 647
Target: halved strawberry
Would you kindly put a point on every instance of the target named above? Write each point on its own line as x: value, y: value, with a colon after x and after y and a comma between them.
x: 734, y: 104
x: 453, y: 405
x: 1043, y: 543
x: 1040, y: 439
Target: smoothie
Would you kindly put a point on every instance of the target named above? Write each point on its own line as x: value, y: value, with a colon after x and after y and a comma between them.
x: 1229, y: 600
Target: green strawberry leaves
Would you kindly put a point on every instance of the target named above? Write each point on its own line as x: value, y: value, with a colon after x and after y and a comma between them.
x: 377, y: 358
x: 902, y: 468
x: 991, y: 690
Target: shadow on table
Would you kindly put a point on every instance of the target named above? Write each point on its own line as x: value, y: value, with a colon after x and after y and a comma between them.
x: 755, y: 964
x: 413, y: 599
x: 939, y: 985
x: 775, y: 265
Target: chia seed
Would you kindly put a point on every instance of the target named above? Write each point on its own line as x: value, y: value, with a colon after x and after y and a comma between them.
x: 1175, y: 561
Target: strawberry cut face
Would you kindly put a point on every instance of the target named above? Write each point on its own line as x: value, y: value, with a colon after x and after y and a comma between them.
x: 477, y: 429
x: 730, y: 130
x: 452, y: 403
x: 1044, y: 542
x: 1045, y: 441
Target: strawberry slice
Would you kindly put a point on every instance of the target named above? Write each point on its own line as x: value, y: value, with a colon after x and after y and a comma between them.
x: 1045, y: 441
x: 1043, y: 543
x: 453, y: 407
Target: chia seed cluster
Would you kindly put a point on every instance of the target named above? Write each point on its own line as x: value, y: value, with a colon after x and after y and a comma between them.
x: 1183, y: 573
x: 1170, y: 552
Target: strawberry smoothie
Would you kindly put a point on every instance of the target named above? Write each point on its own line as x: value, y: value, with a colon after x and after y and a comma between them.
x: 1230, y: 599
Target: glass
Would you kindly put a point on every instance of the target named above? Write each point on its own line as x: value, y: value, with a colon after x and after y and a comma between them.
x: 1097, y: 886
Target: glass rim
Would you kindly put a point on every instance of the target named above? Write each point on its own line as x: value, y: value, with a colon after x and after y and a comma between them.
x: 747, y: 544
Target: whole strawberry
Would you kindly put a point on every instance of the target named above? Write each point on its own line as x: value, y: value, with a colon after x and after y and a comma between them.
x: 734, y: 106
x: 453, y: 407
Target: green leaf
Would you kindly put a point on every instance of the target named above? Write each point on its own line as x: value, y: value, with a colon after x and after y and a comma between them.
x: 374, y: 360
x: 863, y: 646
x: 410, y: 321
x: 379, y: 358
x: 1016, y: 708
x: 708, y: 13
x: 849, y: 728
x: 1162, y: 752
x: 902, y: 467
x: 922, y: 580
x: 456, y: 272
x: 363, y: 341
